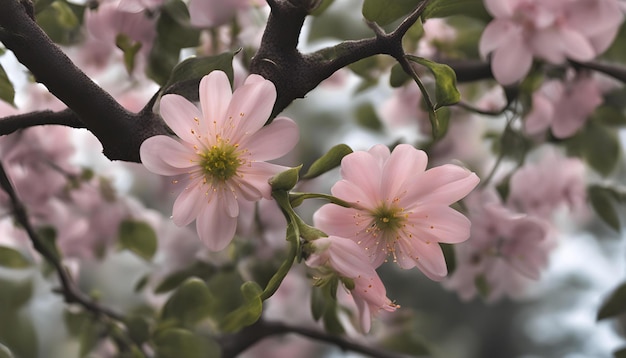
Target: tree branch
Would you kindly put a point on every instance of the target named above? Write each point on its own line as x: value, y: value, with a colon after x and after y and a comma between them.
x: 120, y: 132
x: 234, y: 344
x: 70, y: 292
x: 66, y: 117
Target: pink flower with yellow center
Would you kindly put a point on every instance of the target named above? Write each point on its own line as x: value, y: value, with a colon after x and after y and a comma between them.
x: 399, y: 208
x: 220, y: 152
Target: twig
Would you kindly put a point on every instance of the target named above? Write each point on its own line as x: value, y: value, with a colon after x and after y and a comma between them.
x: 66, y: 117
x: 233, y: 345
x: 70, y: 292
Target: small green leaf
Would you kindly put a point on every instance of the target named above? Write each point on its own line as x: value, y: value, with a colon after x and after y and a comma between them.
x: 12, y: 258
x: 186, y: 76
x: 398, y: 77
x: 446, y: 93
x: 65, y: 15
x: 615, y: 303
x: 328, y: 161
x: 620, y: 353
x: 199, y: 269
x: 601, y: 147
x: 445, y: 8
x: 366, y: 117
x: 384, y: 12
x: 249, y: 312
x: 190, y: 304
x: 138, y: 329
x: 285, y: 180
x: 176, y: 343
x: 5, y: 352
x: 138, y: 237
x: 602, y: 201
x: 7, y: 92
x: 130, y: 49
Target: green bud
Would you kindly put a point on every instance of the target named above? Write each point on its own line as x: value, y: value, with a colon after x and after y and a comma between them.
x: 285, y: 180
x: 328, y: 161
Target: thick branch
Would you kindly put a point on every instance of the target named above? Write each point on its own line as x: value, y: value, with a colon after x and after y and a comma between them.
x: 120, y: 132
x: 295, y: 74
x: 66, y: 117
x: 235, y: 344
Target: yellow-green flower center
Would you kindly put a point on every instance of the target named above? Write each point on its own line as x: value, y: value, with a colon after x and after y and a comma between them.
x: 220, y: 162
x: 388, y: 219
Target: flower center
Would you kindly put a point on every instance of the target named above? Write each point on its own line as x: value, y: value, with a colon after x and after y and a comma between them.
x: 220, y: 162
x: 388, y: 219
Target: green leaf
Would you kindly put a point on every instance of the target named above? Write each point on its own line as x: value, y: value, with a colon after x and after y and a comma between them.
x: 5, y: 352
x: 398, y: 77
x: 7, y: 92
x: 176, y: 343
x: 138, y: 237
x: 602, y: 201
x: 199, y: 269
x: 18, y: 333
x: 225, y: 287
x: 366, y: 117
x: 615, y: 303
x: 130, y: 49
x: 138, y: 329
x: 190, y: 304
x: 328, y: 161
x: 60, y: 21
x: 12, y: 258
x: 446, y: 93
x: 620, y: 353
x: 321, y: 7
x: 185, y: 77
x: 285, y: 180
x: 601, y: 147
x: 249, y: 312
x: 66, y: 17
x: 384, y: 12
x: 449, y: 255
x: 445, y: 8
x: 407, y: 342
x: 609, y: 116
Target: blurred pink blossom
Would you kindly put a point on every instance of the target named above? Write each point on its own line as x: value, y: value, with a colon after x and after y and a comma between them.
x: 550, y: 30
x: 212, y: 13
x: 399, y: 207
x: 564, y: 107
x: 503, y: 245
x: 220, y: 153
x: 542, y: 187
x: 344, y: 257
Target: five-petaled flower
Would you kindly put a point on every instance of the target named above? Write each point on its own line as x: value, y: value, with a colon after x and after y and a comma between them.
x: 399, y: 207
x: 220, y: 152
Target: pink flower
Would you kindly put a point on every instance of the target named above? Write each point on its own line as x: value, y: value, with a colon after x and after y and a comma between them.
x: 551, y: 30
x: 399, y: 207
x: 220, y: 151
x: 563, y: 106
x: 503, y: 246
x: 344, y: 257
x: 542, y: 187
x: 212, y: 13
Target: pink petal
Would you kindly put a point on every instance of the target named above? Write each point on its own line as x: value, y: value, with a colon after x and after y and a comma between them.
x: 165, y: 156
x: 381, y: 153
x: 189, y: 203
x: 352, y: 193
x: 440, y: 224
x: 540, y: 116
x: 179, y: 114
x: 500, y: 8
x: 257, y: 175
x: 404, y: 162
x: 338, y: 221
x: 365, y: 316
x: 251, y: 107
x: 496, y: 34
x: 274, y: 140
x: 511, y: 62
x: 215, y: 227
x: 230, y: 202
x: 576, y: 46
x: 443, y: 185
x: 215, y: 95
x: 247, y: 190
x: 363, y: 170
x: 426, y: 257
